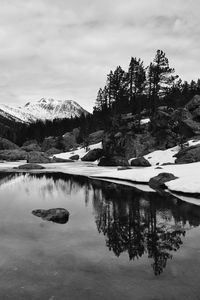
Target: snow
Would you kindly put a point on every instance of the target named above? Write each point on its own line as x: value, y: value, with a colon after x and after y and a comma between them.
x: 44, y: 109
x: 162, y: 156
x: 80, y: 151
x: 144, y: 121
x: 188, y: 180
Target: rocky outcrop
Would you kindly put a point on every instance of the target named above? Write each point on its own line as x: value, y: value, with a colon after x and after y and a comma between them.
x: 96, y: 137
x: 38, y: 157
x: 128, y: 145
x: 158, y: 182
x: 53, y: 151
x: 31, y: 147
x: 30, y: 167
x: 93, y: 155
x: 140, y: 162
x: 113, y: 161
x: 57, y: 215
x: 13, y: 155
x: 74, y: 157
x: 7, y: 145
x: 188, y: 155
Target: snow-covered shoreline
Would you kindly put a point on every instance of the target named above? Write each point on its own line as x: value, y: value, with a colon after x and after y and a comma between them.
x: 187, y: 182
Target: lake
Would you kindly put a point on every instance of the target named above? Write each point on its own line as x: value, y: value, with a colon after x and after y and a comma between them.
x: 119, y: 242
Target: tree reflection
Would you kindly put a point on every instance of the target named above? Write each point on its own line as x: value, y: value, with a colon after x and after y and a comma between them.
x: 132, y: 221
x: 137, y: 225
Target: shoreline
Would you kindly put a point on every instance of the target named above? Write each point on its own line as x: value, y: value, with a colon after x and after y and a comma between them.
x: 107, y: 174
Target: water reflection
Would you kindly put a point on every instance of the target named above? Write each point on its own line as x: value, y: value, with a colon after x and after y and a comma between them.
x: 133, y: 222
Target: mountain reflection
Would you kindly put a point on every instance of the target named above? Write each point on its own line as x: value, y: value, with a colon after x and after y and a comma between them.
x: 133, y: 222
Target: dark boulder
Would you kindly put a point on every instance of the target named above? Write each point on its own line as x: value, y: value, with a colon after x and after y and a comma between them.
x: 158, y: 182
x: 57, y: 215
x: 38, y: 157
x: 74, y: 157
x: 113, y: 161
x: 93, y: 155
x: 30, y: 167
x: 140, y: 162
x: 188, y: 155
x: 13, y: 155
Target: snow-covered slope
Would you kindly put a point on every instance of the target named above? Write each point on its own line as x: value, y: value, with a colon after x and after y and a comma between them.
x: 44, y: 109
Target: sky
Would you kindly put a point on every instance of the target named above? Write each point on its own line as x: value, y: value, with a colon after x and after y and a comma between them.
x: 64, y: 49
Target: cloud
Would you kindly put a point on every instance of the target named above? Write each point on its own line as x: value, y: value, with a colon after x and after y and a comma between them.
x: 64, y: 49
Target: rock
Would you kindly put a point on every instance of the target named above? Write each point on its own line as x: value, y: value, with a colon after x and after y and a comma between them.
x: 7, y: 145
x: 53, y: 151
x: 194, y: 103
x: 29, y: 142
x: 61, y: 160
x: 57, y: 215
x: 158, y: 182
x: 93, y: 155
x: 38, y: 157
x: 188, y: 155
x: 190, y: 127
x: 74, y: 157
x: 30, y: 167
x: 13, y: 155
x: 31, y: 147
x: 113, y: 161
x: 140, y: 162
x: 52, y: 142
x: 129, y: 145
x: 158, y: 168
x: 95, y: 137
x: 69, y: 141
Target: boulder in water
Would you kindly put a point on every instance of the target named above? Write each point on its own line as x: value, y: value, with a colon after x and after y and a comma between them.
x: 57, y: 215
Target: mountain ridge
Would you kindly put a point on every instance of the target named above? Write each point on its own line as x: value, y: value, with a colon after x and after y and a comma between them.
x: 43, y: 109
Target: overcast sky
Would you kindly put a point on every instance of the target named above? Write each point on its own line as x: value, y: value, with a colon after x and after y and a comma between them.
x: 64, y: 48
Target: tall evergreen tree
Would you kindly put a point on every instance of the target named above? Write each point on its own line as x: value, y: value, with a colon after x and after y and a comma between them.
x: 160, y: 78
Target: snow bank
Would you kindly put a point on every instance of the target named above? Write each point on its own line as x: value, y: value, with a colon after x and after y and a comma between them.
x: 188, y: 176
x: 80, y: 151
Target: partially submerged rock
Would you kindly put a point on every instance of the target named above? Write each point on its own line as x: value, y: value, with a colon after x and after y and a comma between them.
x: 30, y: 167
x: 140, y: 162
x: 158, y: 182
x: 57, y: 215
x: 93, y: 155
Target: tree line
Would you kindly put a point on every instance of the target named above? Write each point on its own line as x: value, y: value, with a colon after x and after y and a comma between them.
x: 144, y: 87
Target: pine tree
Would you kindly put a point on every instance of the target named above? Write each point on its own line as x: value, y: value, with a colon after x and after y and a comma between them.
x: 160, y: 78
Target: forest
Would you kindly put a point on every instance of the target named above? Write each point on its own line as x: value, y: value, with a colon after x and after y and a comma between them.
x: 140, y: 90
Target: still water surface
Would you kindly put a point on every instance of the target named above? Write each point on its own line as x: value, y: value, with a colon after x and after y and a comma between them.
x: 119, y: 243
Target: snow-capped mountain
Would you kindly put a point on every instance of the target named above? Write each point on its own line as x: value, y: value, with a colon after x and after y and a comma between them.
x: 44, y: 109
